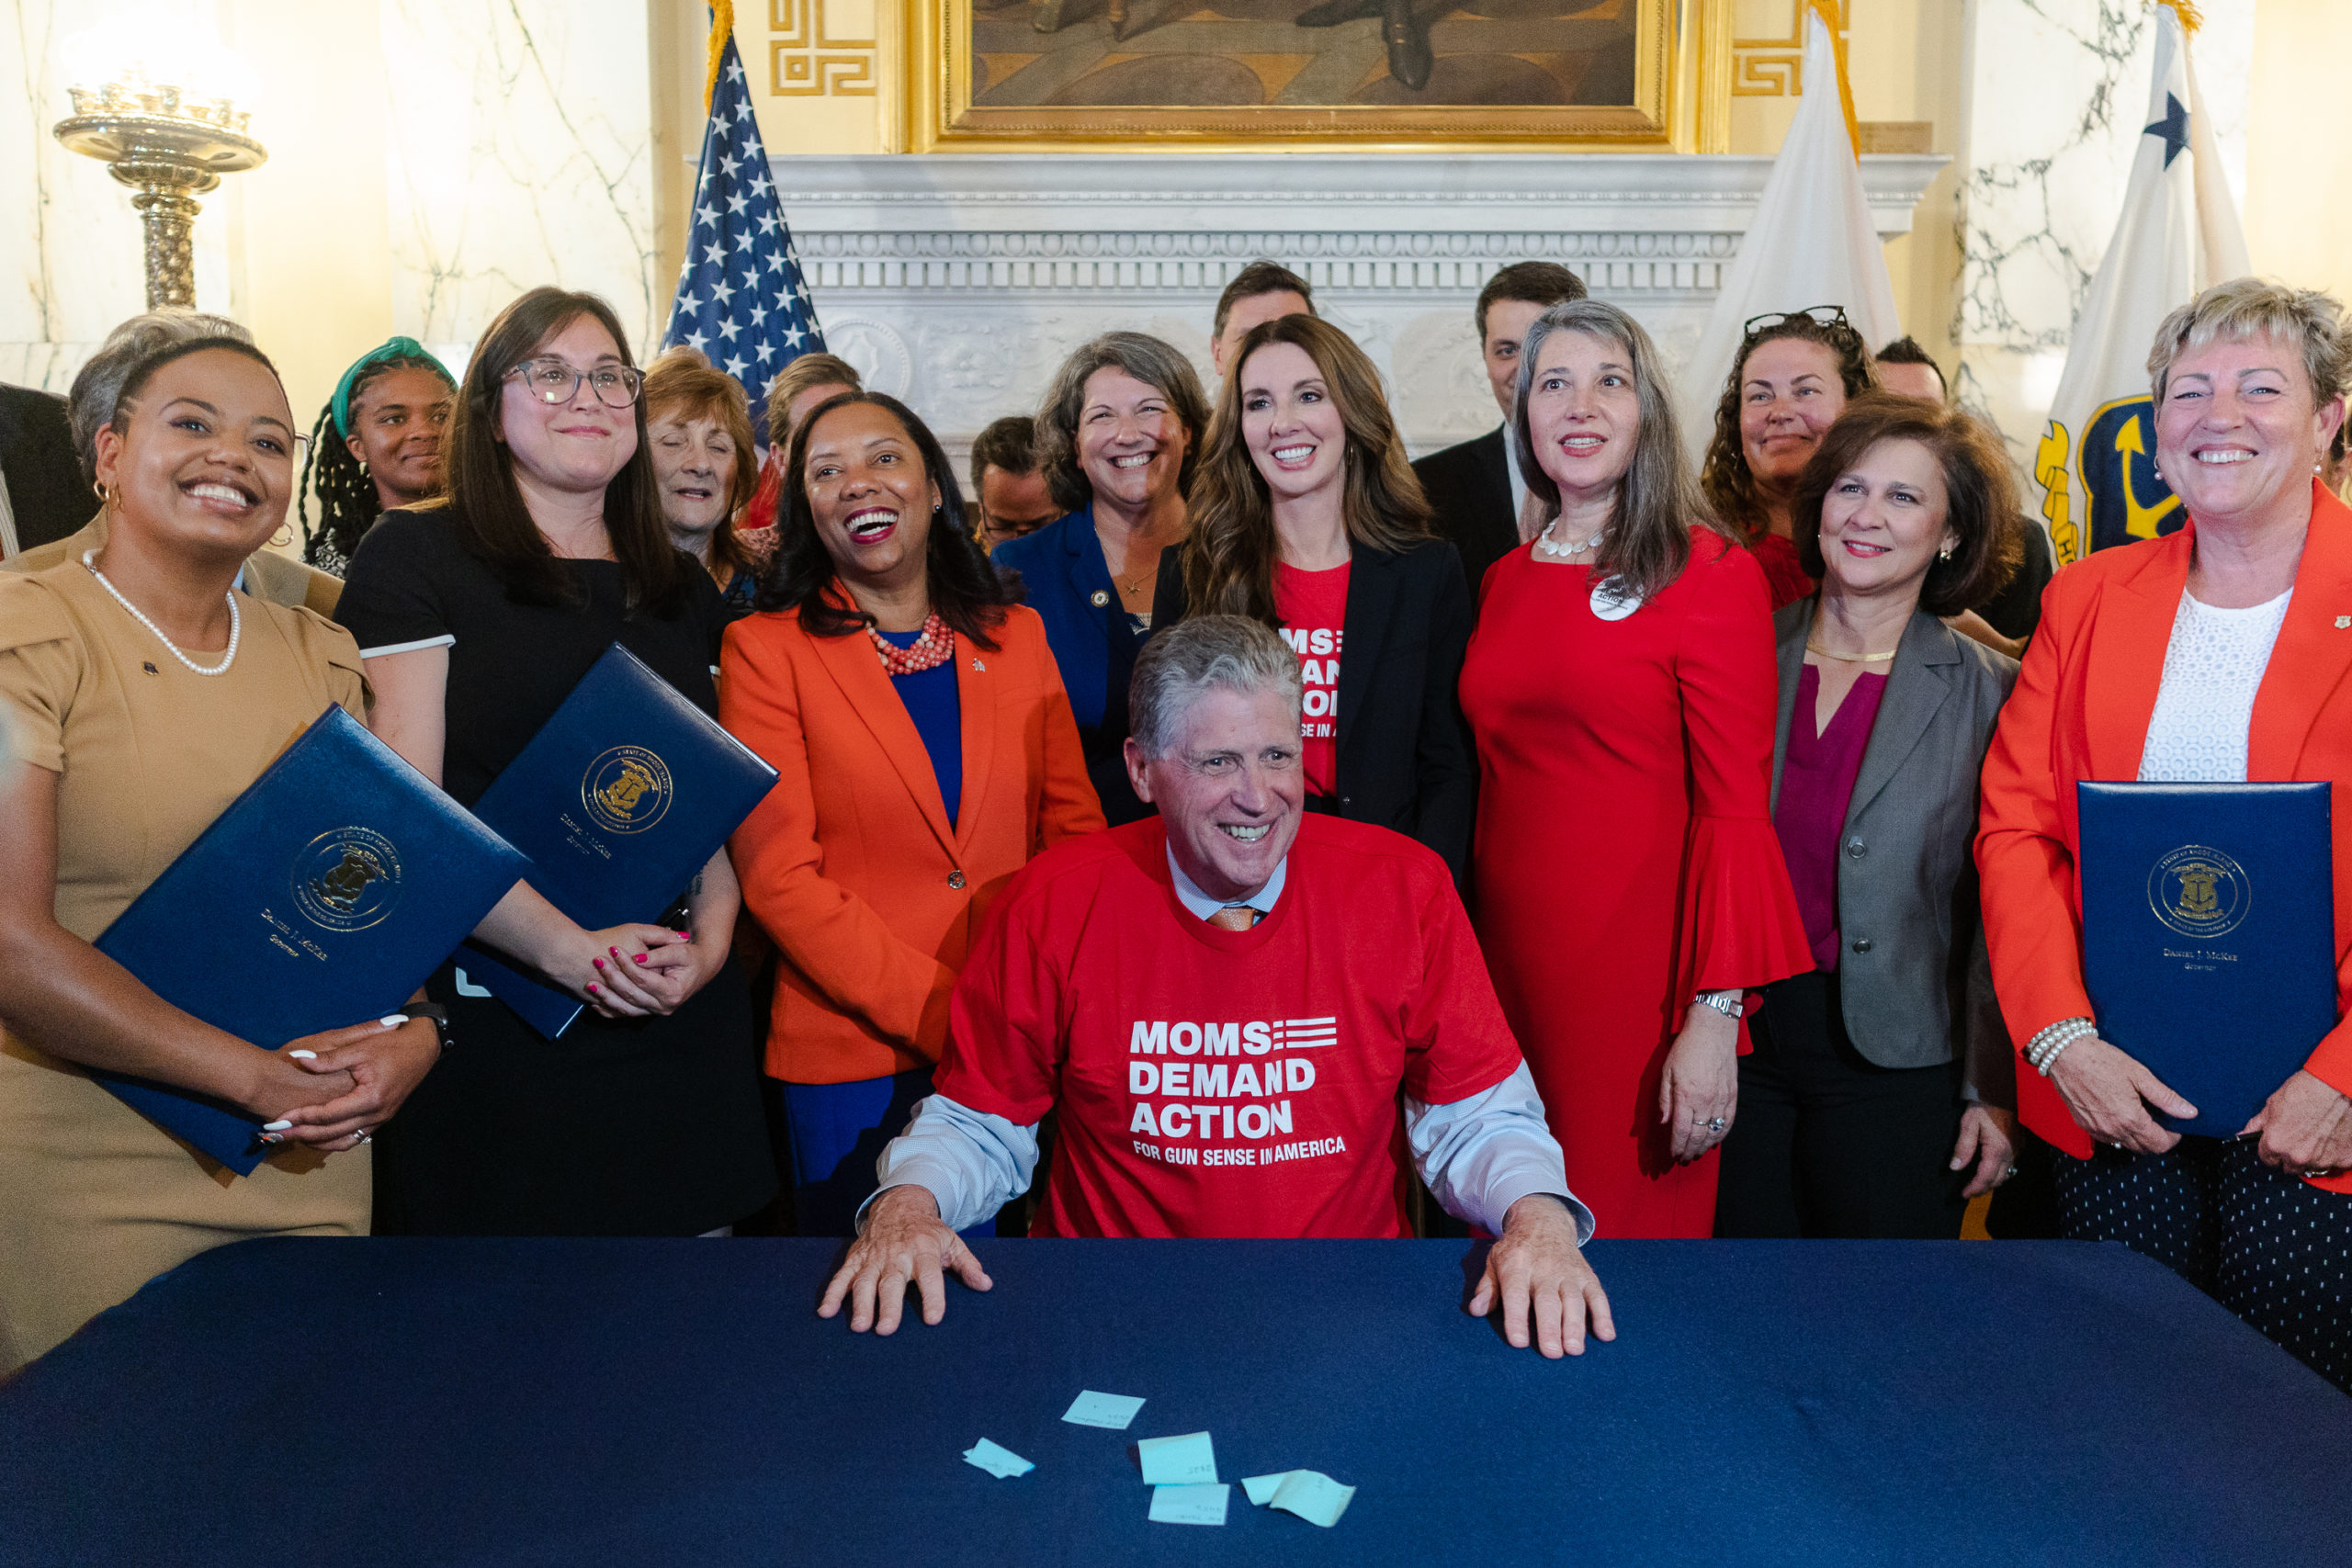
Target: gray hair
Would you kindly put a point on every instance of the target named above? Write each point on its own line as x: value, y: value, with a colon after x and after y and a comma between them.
x: 1658, y: 502
x: 1148, y: 360
x: 1231, y: 653
x: 97, y: 386
x: 2247, y: 308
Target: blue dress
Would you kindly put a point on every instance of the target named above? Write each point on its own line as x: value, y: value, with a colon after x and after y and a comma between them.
x: 1094, y: 640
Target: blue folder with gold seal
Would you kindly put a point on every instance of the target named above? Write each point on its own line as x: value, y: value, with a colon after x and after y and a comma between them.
x: 322, y: 897
x: 2209, y: 935
x: 619, y: 800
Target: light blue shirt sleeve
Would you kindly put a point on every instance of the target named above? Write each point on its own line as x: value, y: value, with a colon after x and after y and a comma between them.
x: 974, y: 1163
x: 1481, y: 1155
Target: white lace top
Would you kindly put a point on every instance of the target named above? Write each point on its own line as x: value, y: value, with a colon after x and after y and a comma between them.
x: 2213, y: 668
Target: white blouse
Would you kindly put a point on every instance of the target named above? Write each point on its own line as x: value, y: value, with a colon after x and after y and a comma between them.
x: 2213, y: 668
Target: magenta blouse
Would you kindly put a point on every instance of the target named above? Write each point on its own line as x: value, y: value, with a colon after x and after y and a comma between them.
x: 1818, y: 774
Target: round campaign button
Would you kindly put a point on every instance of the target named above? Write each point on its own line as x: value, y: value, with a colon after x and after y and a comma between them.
x: 1102, y: 597
x: 1611, y: 602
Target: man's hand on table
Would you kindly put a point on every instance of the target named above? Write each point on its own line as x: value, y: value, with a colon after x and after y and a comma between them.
x: 905, y: 1243
x: 1537, y: 1265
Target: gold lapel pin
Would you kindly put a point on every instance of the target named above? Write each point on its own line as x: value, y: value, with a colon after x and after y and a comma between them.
x: 1101, y: 598
x: 977, y: 666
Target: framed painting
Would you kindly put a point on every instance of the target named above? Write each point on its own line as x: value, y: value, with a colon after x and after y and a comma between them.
x: 1206, y: 74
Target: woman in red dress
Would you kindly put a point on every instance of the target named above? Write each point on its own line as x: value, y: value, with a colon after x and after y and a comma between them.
x: 1621, y: 689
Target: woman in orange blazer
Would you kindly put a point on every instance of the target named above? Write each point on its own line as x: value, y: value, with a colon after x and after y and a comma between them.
x: 927, y: 753
x: 2218, y: 653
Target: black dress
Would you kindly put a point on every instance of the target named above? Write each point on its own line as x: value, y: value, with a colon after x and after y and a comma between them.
x: 622, y: 1127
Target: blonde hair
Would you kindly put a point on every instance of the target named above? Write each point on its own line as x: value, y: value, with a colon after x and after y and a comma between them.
x: 1228, y: 556
x: 808, y: 370
x: 2248, y: 308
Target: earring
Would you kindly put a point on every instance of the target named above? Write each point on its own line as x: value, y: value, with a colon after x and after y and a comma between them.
x: 1944, y: 554
x: 2159, y: 468
x: 104, y: 498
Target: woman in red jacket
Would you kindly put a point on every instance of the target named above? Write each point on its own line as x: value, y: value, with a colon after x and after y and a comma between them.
x: 926, y: 750
x: 2217, y: 653
x: 1621, y: 688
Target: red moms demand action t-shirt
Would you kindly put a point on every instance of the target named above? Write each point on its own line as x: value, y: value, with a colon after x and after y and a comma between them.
x: 1312, y: 609
x: 1217, y: 1083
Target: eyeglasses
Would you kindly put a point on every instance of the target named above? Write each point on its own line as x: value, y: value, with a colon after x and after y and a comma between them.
x: 554, y: 382
x: 1830, y: 316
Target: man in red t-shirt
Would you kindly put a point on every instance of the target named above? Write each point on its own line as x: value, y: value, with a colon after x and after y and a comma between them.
x: 1225, y: 1002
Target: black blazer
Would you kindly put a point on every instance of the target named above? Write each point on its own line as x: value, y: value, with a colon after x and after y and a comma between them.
x: 1404, y: 757
x: 1469, y: 487
x: 46, y: 490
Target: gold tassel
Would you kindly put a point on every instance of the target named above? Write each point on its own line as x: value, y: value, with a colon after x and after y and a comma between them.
x: 722, y: 28
x: 2186, y: 11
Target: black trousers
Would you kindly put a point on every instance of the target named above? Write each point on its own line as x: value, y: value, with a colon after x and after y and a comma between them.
x: 1828, y: 1144
x: 2273, y: 1250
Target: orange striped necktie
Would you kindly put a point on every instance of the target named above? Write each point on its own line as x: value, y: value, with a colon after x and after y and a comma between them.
x: 1236, y: 917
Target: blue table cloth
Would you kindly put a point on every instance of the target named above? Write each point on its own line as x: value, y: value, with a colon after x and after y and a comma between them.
x: 573, y: 1402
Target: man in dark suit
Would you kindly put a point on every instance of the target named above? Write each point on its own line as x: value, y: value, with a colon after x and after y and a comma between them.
x: 1475, y: 488
x: 46, y: 497
x: 1258, y: 292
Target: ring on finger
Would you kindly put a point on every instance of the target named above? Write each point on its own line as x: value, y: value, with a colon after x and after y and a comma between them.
x: 361, y: 1135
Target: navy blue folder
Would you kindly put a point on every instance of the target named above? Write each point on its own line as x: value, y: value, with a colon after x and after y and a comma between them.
x: 2209, y: 935
x: 322, y: 897
x: 622, y: 796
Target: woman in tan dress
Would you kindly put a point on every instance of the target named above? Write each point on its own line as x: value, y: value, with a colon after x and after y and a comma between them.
x: 142, y: 695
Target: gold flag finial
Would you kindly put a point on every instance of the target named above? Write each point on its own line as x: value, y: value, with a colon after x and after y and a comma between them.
x: 722, y: 28
x: 2186, y: 11
x: 1831, y: 18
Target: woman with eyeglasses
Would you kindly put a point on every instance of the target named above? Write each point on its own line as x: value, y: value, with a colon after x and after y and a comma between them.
x: 1788, y: 385
x: 477, y: 616
x: 144, y: 692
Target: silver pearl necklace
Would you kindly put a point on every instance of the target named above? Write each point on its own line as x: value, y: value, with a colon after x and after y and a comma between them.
x: 236, y: 626
x: 1546, y: 545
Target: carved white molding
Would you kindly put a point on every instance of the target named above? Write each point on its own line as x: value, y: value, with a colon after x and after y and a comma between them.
x: 967, y: 277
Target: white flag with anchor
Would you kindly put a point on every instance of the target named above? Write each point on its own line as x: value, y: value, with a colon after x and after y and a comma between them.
x: 2179, y: 233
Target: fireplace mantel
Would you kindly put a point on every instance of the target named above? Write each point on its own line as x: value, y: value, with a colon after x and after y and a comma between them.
x: 959, y: 282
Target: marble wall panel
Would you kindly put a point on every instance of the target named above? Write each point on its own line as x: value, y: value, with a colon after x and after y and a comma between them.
x: 2057, y: 102
x: 518, y: 153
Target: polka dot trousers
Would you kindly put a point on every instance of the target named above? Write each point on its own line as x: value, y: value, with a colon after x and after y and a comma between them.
x: 2273, y: 1250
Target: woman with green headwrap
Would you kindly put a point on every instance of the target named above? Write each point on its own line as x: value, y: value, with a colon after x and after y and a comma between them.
x: 382, y: 452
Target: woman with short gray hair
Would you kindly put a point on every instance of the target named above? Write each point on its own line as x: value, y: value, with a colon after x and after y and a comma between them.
x: 1117, y: 438
x: 1620, y: 687
x: 2217, y: 653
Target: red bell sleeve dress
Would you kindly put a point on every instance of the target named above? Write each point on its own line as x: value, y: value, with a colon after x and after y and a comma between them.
x: 1625, y: 857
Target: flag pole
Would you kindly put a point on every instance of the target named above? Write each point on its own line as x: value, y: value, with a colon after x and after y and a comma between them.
x: 1831, y: 18
x: 722, y: 28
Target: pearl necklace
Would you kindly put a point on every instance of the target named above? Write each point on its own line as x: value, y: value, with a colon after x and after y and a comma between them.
x: 236, y: 627
x: 1546, y: 545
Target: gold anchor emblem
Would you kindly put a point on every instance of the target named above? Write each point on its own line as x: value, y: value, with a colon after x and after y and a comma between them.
x: 621, y: 795
x: 2197, y: 899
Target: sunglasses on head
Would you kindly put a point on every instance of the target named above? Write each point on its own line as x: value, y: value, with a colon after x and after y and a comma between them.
x: 1830, y: 316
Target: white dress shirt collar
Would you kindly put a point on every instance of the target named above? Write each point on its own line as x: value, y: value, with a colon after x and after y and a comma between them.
x: 1202, y: 905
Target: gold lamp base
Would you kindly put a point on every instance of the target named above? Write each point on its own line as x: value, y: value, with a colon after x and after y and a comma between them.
x: 170, y: 152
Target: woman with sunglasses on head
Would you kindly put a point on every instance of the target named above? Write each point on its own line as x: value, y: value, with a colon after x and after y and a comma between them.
x: 477, y: 615
x: 144, y: 692
x: 1788, y: 385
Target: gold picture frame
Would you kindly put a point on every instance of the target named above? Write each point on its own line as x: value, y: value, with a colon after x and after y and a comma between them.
x: 1679, y: 99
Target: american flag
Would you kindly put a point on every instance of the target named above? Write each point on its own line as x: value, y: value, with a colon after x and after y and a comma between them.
x: 742, y: 301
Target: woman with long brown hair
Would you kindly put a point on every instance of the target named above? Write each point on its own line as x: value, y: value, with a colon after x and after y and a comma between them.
x: 1621, y: 688
x: 1307, y: 517
x: 477, y: 616
x: 1788, y: 385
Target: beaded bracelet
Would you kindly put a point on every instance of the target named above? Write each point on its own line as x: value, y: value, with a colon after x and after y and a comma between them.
x: 2042, y: 1050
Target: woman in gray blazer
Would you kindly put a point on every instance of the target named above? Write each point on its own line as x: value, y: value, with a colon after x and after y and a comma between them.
x: 1879, y: 1077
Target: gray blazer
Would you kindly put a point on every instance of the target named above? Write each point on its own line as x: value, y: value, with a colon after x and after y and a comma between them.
x: 1913, y: 974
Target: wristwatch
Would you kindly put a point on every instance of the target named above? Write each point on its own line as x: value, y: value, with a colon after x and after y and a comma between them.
x: 1728, y: 1003
x: 435, y: 1013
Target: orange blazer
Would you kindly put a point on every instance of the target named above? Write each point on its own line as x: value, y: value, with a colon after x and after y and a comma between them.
x: 850, y: 865
x: 2081, y: 711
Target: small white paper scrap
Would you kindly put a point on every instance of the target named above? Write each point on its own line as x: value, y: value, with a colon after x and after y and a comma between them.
x: 1190, y: 1504
x: 1313, y: 1497
x: 1188, y: 1461
x: 1111, y: 1411
x: 1002, y: 1463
